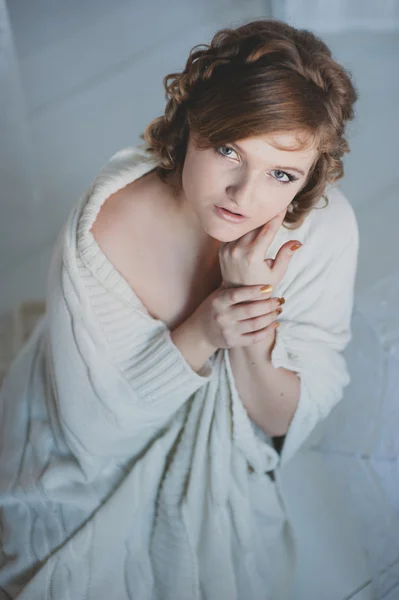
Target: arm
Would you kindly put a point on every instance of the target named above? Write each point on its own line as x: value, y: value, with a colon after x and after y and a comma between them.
x: 117, y: 377
x: 269, y: 395
x: 256, y: 378
x: 314, y: 331
x: 305, y: 363
x: 191, y: 342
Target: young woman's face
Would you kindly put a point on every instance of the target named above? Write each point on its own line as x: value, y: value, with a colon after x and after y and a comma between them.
x: 251, y: 177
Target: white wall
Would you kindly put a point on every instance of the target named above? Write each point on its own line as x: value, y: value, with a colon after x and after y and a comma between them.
x: 337, y: 16
x: 18, y: 197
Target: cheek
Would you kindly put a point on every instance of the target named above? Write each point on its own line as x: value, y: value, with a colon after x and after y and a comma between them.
x: 209, y: 183
x: 286, y: 196
x: 275, y: 202
x: 201, y: 174
x: 196, y: 187
x: 190, y: 178
x: 277, y: 197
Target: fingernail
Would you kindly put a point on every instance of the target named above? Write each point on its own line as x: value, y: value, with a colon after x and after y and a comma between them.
x: 275, y: 325
x: 295, y: 246
x: 266, y: 289
x: 281, y: 300
x: 279, y: 311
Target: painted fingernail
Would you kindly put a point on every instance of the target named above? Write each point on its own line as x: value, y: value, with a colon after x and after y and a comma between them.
x: 281, y: 300
x: 279, y: 311
x: 295, y: 246
x: 266, y: 289
x: 276, y: 325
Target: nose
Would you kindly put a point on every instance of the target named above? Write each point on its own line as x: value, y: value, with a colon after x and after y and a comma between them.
x: 242, y: 195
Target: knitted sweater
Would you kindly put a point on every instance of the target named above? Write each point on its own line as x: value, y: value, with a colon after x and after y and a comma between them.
x: 125, y: 474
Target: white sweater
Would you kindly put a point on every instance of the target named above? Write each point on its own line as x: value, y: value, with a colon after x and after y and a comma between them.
x: 124, y: 474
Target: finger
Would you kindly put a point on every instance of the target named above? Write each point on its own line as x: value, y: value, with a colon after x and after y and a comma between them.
x: 257, y: 323
x: 268, y: 333
x: 249, y: 310
x: 283, y: 258
x: 269, y: 262
x: 249, y: 237
x: 247, y: 293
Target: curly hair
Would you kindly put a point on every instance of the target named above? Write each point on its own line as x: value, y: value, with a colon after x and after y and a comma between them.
x: 262, y: 77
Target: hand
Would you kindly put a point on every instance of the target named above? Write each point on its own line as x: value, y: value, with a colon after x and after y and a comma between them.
x: 242, y: 262
x: 234, y: 317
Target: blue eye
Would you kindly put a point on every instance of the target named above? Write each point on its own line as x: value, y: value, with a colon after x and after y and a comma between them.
x: 290, y: 177
x: 221, y: 153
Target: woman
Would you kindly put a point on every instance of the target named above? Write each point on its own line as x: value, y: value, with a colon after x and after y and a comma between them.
x: 137, y: 458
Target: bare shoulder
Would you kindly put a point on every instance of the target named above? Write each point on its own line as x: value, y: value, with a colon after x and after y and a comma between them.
x: 137, y: 230
x: 127, y: 208
x: 124, y: 227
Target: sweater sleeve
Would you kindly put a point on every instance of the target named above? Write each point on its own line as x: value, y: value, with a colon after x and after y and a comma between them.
x: 311, y: 339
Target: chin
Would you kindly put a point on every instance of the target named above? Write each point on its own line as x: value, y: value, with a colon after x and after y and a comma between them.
x: 224, y: 232
x: 226, y: 237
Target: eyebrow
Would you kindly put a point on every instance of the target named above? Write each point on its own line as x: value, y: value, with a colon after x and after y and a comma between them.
x: 276, y: 166
x: 290, y: 169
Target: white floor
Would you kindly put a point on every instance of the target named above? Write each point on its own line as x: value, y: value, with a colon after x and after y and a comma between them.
x: 87, y: 69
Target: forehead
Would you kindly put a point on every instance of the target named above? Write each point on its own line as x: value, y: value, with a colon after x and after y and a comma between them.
x: 281, y: 146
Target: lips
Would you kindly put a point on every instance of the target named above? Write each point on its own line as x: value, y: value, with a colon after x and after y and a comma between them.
x: 228, y: 216
x: 234, y: 213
